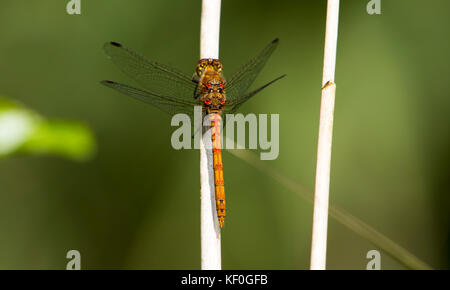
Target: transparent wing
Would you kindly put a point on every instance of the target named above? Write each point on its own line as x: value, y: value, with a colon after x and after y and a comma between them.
x: 241, y: 80
x: 234, y: 104
x: 153, y: 76
x: 168, y: 104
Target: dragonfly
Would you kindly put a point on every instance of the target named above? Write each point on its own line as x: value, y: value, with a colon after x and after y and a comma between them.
x: 173, y: 92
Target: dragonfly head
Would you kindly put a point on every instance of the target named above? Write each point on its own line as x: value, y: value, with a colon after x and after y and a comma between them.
x: 208, y: 64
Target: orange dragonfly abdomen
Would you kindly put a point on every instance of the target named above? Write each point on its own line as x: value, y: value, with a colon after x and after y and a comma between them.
x: 218, y: 168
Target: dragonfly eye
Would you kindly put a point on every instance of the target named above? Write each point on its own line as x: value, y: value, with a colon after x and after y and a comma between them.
x: 218, y: 65
x: 199, y: 70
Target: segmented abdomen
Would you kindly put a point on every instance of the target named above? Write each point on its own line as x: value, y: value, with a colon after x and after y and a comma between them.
x: 218, y: 168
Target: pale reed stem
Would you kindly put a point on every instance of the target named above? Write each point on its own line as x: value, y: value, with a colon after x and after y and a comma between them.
x: 210, y: 229
x: 322, y: 186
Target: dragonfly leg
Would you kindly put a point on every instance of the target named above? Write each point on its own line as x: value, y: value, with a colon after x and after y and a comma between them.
x: 195, y: 78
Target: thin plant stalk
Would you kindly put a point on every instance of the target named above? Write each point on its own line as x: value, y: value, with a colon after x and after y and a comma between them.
x: 322, y: 185
x: 210, y: 229
x: 353, y: 223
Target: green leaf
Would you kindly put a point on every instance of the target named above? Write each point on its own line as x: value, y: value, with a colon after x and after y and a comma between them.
x: 23, y: 131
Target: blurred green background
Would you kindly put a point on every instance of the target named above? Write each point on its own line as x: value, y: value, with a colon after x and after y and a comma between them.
x: 135, y: 204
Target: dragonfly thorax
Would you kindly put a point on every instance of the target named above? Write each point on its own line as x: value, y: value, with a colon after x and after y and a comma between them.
x: 212, y: 94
